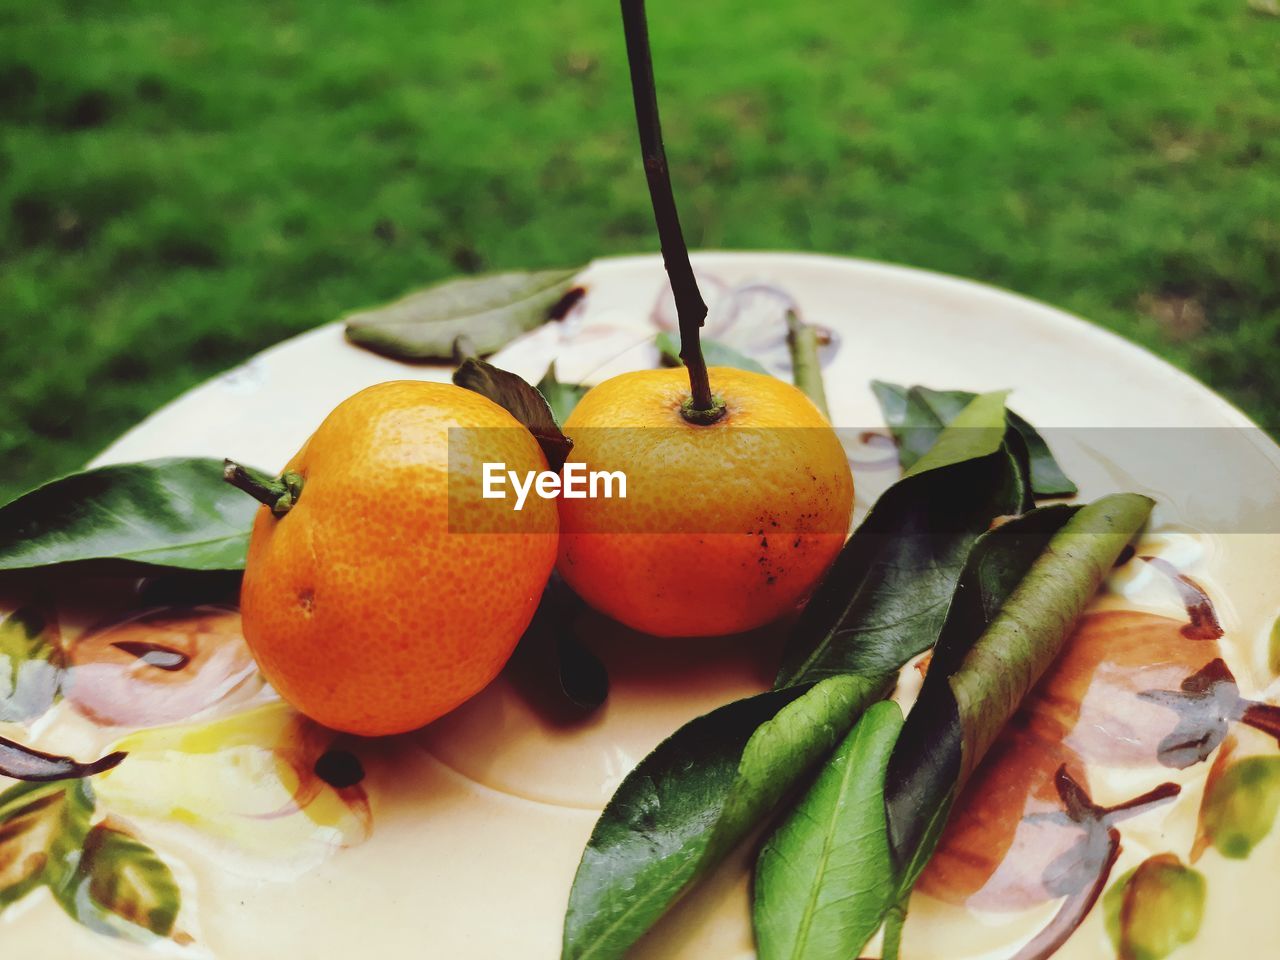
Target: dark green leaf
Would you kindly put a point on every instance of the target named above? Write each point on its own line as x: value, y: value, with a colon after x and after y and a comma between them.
x: 1239, y: 806
x: 917, y: 416
x: 159, y: 513
x: 125, y: 879
x: 520, y: 400
x: 715, y: 353
x: 926, y: 764
x: 560, y: 397
x: 824, y: 880
x: 886, y: 596
x: 1023, y: 587
x: 490, y: 310
x: 693, y: 799
x: 30, y: 665
x: 1155, y: 908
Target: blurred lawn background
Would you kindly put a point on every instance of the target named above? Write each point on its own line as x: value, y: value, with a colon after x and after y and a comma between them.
x: 182, y: 183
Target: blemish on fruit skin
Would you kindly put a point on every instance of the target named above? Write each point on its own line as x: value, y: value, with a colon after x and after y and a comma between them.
x: 307, y: 601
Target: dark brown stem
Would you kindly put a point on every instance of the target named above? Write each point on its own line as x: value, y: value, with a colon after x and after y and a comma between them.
x: 280, y: 495
x: 690, y: 307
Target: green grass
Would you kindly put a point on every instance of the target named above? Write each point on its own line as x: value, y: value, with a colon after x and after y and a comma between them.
x: 182, y: 184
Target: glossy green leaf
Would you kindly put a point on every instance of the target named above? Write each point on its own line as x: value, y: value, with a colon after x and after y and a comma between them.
x: 1023, y: 588
x: 158, y: 513
x: 1240, y: 806
x: 715, y: 353
x: 886, y: 597
x: 917, y: 416
x: 30, y: 665
x: 520, y: 400
x: 693, y: 799
x: 1154, y: 909
x: 824, y: 880
x: 119, y: 876
x: 489, y: 310
x: 560, y: 397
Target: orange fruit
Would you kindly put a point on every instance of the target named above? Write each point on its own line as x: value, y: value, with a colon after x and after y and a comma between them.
x: 724, y: 527
x: 364, y: 608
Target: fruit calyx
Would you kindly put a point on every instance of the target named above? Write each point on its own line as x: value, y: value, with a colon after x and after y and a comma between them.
x: 702, y: 407
x: 702, y: 418
x: 279, y: 494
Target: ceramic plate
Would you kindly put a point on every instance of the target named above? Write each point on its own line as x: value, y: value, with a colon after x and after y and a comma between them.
x: 463, y: 838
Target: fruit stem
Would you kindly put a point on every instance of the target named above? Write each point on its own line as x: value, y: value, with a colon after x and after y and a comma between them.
x: 806, y: 368
x: 690, y: 307
x: 280, y: 495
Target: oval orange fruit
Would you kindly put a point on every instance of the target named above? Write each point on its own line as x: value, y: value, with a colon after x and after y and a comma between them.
x: 725, y: 527
x: 363, y: 606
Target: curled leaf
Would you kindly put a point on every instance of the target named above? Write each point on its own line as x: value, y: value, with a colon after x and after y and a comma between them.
x: 824, y: 879
x: 158, y: 513
x: 1154, y: 909
x: 1022, y: 589
x: 520, y: 400
x: 490, y: 310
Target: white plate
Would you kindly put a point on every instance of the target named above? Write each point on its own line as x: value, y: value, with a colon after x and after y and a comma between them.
x: 480, y: 820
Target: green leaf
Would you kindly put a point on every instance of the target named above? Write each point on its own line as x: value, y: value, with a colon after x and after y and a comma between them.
x: 1239, y: 807
x: 1273, y: 650
x: 158, y: 513
x: 918, y: 415
x: 1022, y: 590
x: 715, y: 353
x: 520, y: 400
x: 824, y: 880
x: 1154, y: 909
x: 30, y: 665
x: 119, y: 876
x: 489, y: 310
x: 886, y: 597
x: 560, y: 397
x: 693, y: 799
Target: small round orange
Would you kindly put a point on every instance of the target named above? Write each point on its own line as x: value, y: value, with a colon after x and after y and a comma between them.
x: 725, y: 527
x: 364, y: 607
